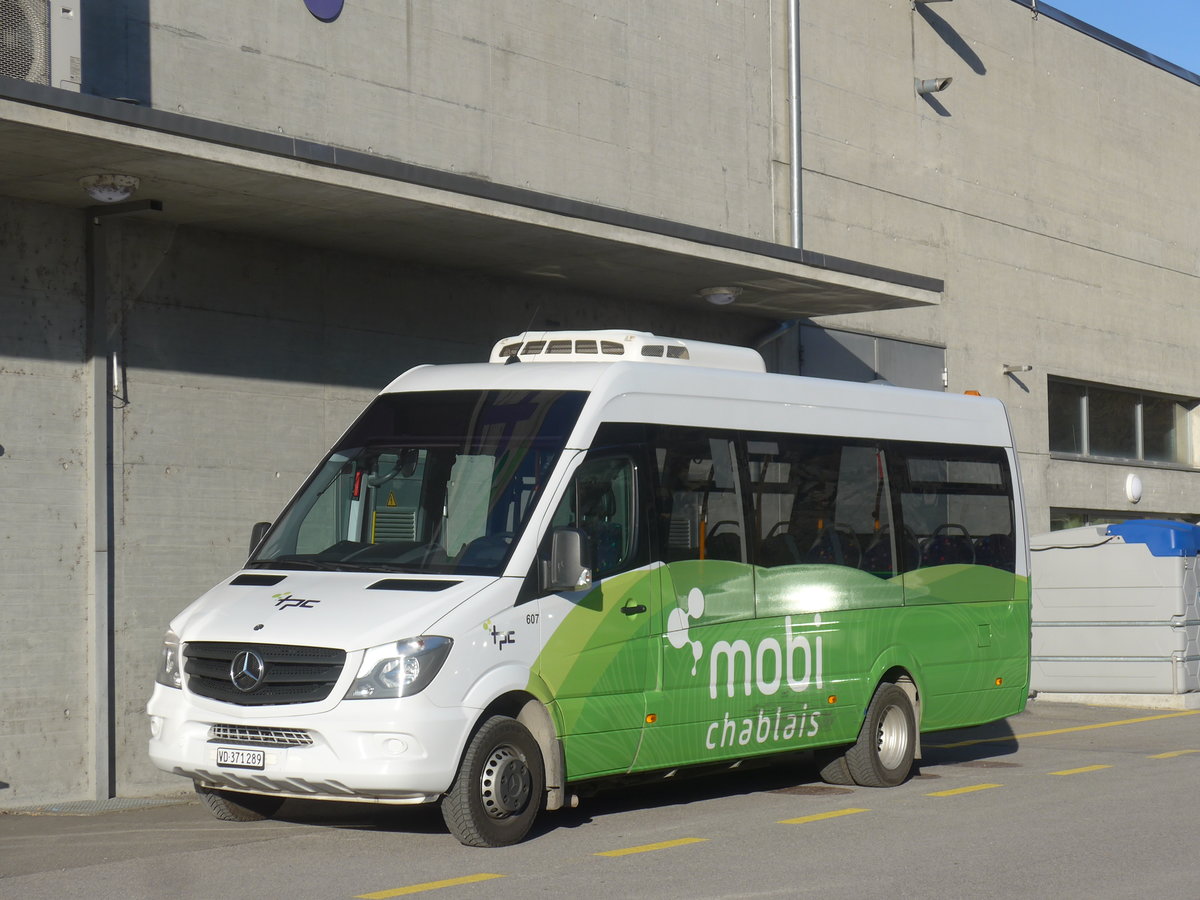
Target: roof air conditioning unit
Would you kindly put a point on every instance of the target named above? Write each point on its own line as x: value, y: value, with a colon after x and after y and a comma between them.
x: 40, y: 42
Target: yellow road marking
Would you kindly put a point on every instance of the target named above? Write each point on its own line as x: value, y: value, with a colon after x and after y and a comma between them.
x: 1079, y: 770
x: 1173, y: 754
x: 819, y: 816
x: 647, y: 848
x: 963, y: 790
x: 1034, y: 734
x: 428, y: 886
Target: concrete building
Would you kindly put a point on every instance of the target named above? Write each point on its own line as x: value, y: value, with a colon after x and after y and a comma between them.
x: 328, y: 193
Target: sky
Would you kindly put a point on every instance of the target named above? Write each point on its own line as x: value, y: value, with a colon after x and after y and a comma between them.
x: 1166, y: 28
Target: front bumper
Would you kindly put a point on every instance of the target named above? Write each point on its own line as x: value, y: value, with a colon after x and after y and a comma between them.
x: 398, y: 751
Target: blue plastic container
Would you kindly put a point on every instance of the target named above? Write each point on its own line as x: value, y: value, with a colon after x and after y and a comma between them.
x: 1161, y: 537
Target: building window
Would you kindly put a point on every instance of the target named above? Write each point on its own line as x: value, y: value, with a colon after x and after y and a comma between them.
x: 1061, y: 517
x: 1104, y: 422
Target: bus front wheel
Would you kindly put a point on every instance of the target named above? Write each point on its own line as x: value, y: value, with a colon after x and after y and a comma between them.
x: 500, y: 786
x: 883, y: 755
x: 232, y: 806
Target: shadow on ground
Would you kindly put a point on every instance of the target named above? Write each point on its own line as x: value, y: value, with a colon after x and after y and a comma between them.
x: 981, y: 746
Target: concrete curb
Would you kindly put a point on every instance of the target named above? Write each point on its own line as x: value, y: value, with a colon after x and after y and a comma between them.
x: 1136, y: 701
x: 92, y: 807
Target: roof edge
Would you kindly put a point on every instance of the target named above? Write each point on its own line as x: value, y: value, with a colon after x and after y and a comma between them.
x: 239, y: 137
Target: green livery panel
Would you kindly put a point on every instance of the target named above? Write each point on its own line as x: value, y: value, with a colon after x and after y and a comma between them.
x: 706, y: 660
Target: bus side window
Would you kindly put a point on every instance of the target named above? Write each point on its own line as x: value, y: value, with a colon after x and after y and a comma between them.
x: 699, y: 496
x: 956, y: 502
x: 864, y: 507
x: 820, y: 500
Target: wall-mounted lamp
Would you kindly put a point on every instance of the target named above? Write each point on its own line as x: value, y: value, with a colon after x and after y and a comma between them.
x: 720, y: 296
x: 1133, y: 488
x: 109, y: 188
x: 1009, y: 368
x: 933, y: 85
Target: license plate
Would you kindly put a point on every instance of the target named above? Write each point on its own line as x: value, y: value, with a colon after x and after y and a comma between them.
x: 241, y: 758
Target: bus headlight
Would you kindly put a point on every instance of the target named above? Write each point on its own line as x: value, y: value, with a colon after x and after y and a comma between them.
x: 169, y: 672
x: 400, y: 669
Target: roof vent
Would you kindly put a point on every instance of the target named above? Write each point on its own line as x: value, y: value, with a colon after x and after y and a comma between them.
x: 614, y: 346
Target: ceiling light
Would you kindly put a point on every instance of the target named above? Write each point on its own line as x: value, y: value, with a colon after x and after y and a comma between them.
x: 109, y: 188
x: 720, y: 296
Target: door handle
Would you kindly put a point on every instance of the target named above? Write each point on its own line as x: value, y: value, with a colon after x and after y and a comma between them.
x: 634, y: 609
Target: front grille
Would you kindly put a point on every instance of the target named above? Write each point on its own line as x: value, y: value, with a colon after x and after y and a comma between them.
x: 289, y: 675
x: 271, y: 737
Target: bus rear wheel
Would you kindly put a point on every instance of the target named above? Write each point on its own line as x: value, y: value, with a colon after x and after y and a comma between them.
x: 500, y: 786
x: 883, y: 755
x: 832, y: 766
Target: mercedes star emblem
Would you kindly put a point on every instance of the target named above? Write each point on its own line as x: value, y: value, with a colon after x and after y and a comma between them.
x: 247, y: 670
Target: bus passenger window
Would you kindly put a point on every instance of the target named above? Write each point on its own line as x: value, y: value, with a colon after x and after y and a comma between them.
x: 700, y: 496
x: 957, y: 503
x: 820, y: 501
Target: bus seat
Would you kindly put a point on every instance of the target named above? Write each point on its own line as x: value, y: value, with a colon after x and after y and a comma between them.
x: 779, y: 550
x: 996, y: 550
x: 727, y: 546
x: 835, y: 546
x: 945, y: 548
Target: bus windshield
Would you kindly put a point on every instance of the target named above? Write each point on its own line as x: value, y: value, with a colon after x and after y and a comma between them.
x: 434, y: 482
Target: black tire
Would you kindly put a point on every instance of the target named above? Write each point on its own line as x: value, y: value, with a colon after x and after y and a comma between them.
x: 833, y: 766
x: 500, y: 787
x: 883, y: 755
x: 232, y: 806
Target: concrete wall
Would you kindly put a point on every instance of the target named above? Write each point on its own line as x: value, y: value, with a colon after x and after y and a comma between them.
x: 661, y: 108
x: 241, y: 362
x: 1052, y: 185
x: 244, y: 361
x: 44, y: 496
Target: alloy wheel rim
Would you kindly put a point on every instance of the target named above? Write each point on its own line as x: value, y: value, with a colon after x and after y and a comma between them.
x: 892, y: 744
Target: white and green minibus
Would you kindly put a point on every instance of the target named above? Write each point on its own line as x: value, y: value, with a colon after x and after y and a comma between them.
x: 607, y: 554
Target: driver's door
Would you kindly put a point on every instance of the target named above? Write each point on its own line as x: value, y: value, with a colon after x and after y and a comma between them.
x: 598, y: 662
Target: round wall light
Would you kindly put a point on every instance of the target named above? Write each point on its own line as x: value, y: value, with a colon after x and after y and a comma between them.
x: 1133, y: 488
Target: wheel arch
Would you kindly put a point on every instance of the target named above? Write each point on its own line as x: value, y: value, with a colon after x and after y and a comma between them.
x: 535, y: 717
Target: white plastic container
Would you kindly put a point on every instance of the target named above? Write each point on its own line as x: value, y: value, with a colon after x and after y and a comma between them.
x: 1116, y: 609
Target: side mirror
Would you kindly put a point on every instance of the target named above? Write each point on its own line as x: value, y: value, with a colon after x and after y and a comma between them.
x: 570, y: 564
x: 257, y: 533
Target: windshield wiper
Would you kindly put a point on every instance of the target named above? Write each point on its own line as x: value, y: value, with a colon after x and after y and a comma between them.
x: 281, y: 564
x: 328, y: 565
x: 306, y: 564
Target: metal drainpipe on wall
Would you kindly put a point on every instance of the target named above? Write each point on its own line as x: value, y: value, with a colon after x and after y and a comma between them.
x: 797, y: 235
x: 794, y: 173
x: 103, y: 365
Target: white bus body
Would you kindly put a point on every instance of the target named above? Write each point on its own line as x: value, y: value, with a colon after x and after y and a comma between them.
x: 511, y: 577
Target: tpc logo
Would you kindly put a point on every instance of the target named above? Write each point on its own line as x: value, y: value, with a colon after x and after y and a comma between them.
x: 325, y: 10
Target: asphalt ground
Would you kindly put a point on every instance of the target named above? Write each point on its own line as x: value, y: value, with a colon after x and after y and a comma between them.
x: 1061, y: 801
